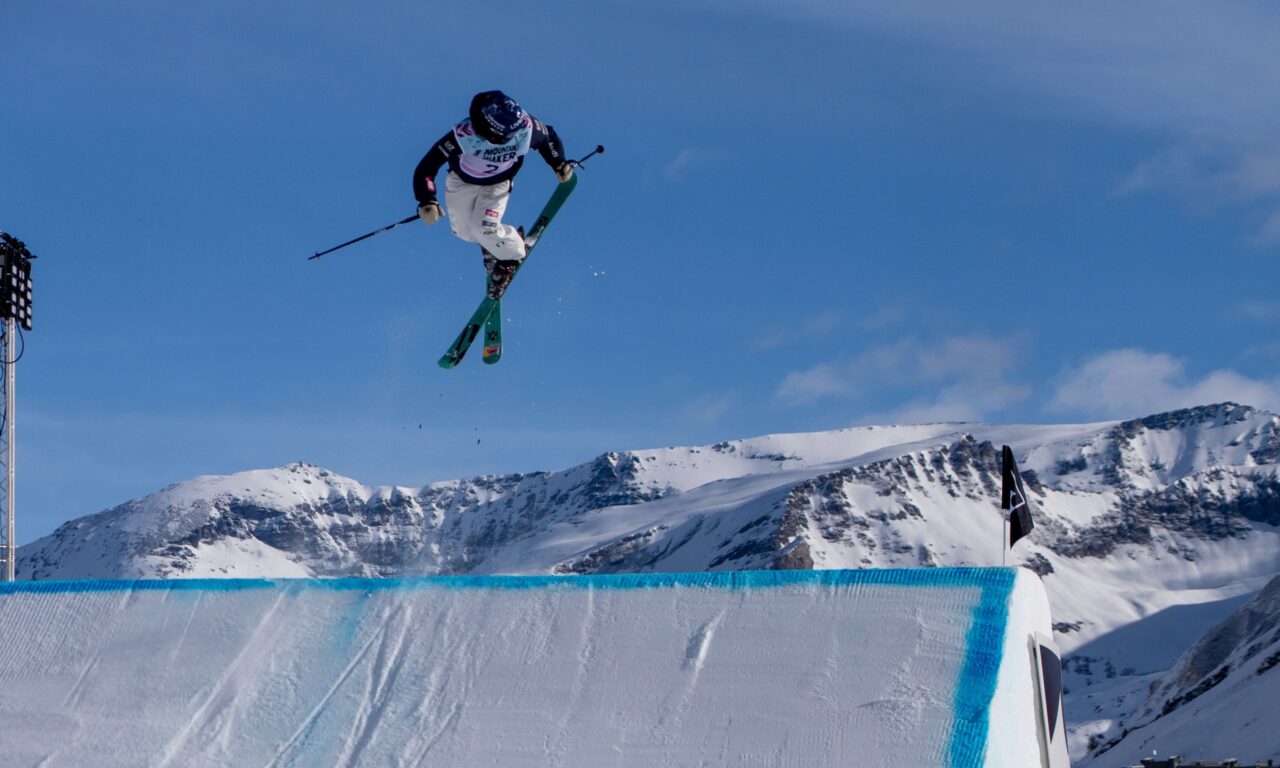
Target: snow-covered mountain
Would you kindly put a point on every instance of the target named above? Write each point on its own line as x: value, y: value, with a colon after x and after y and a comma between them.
x: 1218, y: 700
x: 1147, y: 531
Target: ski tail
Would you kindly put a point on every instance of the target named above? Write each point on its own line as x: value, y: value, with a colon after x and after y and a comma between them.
x: 460, y: 345
x: 493, y: 335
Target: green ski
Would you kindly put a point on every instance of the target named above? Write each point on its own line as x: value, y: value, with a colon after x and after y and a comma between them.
x: 492, y: 306
x: 469, y: 332
x: 493, y: 335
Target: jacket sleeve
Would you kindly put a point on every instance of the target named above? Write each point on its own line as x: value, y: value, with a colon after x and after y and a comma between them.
x: 424, y: 176
x: 547, y: 143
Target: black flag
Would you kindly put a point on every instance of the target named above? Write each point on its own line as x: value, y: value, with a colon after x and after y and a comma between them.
x: 1014, y: 499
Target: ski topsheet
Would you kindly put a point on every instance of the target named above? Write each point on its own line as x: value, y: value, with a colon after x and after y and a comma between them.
x: 493, y: 335
x: 491, y: 306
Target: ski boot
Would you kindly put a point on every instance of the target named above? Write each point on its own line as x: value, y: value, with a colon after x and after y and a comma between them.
x: 500, y: 270
x: 500, y: 274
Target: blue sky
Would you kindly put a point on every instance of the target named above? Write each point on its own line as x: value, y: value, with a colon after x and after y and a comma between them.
x: 809, y: 215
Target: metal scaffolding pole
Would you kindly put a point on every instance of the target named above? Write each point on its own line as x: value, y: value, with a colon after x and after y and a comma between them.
x: 15, y: 315
x: 9, y: 550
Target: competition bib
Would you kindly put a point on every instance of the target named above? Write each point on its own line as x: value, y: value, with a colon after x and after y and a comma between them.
x: 482, y: 160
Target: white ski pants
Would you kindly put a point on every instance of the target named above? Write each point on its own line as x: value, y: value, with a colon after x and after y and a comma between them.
x: 475, y: 213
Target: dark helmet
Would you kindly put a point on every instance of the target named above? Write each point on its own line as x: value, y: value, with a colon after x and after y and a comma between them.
x: 496, y: 116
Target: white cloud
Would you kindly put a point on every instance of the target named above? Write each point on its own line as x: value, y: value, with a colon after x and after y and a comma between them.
x: 674, y: 170
x: 816, y: 383
x: 1257, y: 174
x: 885, y: 317
x: 1269, y: 234
x: 1124, y: 383
x: 1200, y: 80
x: 1170, y: 66
x: 1224, y: 176
x: 965, y: 401
x: 710, y: 408
x: 816, y: 326
x: 1260, y: 311
x: 1264, y: 351
x: 964, y: 378
x: 1174, y: 168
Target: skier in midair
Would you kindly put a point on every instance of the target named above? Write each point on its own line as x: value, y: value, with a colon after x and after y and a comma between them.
x: 484, y: 153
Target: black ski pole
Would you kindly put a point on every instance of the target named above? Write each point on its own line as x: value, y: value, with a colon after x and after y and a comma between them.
x: 599, y: 150
x: 362, y: 237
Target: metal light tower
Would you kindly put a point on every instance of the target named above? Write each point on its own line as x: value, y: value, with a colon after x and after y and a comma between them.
x: 15, y: 314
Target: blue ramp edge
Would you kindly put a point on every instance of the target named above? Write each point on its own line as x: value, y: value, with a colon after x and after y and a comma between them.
x: 984, y: 652
x: 999, y: 578
x: 974, y: 690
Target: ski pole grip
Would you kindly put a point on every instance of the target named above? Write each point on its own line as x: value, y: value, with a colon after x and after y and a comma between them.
x: 599, y: 150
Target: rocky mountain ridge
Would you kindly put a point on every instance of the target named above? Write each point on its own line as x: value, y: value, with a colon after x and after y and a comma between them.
x: 1205, y: 474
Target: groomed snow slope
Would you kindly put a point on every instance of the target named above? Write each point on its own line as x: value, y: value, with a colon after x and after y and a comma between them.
x: 782, y: 668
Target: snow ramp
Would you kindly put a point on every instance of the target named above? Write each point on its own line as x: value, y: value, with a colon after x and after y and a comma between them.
x: 929, y: 667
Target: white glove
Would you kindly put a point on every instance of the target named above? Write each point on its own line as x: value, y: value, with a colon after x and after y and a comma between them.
x: 564, y: 172
x: 430, y: 213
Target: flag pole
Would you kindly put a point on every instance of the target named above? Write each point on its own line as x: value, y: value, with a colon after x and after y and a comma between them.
x: 1004, y: 519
